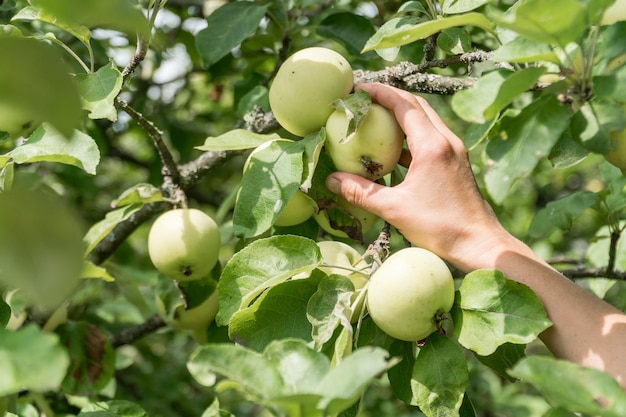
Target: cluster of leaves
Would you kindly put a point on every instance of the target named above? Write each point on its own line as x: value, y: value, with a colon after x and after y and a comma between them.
x: 547, y: 85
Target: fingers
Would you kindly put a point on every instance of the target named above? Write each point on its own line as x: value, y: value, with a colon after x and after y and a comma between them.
x: 360, y: 192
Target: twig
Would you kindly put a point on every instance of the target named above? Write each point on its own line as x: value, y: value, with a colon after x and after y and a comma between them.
x: 134, y: 333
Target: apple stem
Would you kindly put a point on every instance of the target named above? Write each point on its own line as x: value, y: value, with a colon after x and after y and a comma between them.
x: 378, y: 250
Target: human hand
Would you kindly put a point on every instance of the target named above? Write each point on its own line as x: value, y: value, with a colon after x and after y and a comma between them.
x: 438, y: 206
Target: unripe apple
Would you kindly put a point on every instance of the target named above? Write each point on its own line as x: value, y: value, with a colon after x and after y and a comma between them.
x: 298, y: 209
x: 305, y: 87
x: 184, y: 244
x: 409, y: 292
x: 375, y: 148
x: 198, y: 317
x: 343, y: 259
x: 364, y: 218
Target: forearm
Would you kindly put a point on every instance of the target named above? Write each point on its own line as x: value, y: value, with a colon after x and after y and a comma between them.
x: 586, y: 329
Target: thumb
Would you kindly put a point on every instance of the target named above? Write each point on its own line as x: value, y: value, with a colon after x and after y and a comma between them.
x: 360, y: 192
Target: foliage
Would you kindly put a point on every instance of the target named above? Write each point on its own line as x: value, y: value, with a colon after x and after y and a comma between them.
x: 113, y: 112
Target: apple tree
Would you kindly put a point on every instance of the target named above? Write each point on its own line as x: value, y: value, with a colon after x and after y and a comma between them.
x: 168, y: 246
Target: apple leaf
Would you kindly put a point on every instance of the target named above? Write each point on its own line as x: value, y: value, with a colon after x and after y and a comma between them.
x: 573, y: 387
x: 82, y: 33
x: 400, y: 376
x: 141, y: 193
x: 35, y: 84
x: 461, y: 6
x: 355, y: 106
x: 525, y: 50
x: 351, y: 30
x: 504, y: 358
x: 272, y: 176
x: 93, y: 271
x: 46, y: 144
x: 278, y: 313
x: 490, y: 310
x: 118, y: 15
x: 567, y: 151
x: 407, y: 29
x: 113, y: 408
x: 261, y: 265
x: 99, y: 230
x: 98, y: 91
x: 560, y: 214
x: 492, y: 93
x: 5, y: 313
x: 519, y: 143
x: 313, y: 145
x: 440, y: 377
x: 454, y: 41
x: 290, y: 375
x: 28, y: 349
x: 227, y: 27
x: 593, y: 122
x: 556, y: 21
x: 612, y: 86
x: 328, y: 307
x: 7, y: 172
x: 236, y: 139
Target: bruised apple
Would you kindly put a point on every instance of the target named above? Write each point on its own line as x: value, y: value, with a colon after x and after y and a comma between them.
x: 298, y: 209
x: 184, y: 244
x: 374, y: 149
x: 305, y: 87
x: 409, y: 292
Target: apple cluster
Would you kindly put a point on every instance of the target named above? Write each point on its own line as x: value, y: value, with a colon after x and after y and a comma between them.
x: 302, y: 98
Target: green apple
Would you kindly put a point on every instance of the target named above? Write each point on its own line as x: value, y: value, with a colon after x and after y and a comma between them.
x: 184, y: 244
x: 409, y: 292
x: 298, y: 209
x: 353, y: 221
x: 342, y: 259
x: 617, y: 155
x: 614, y: 13
x: 198, y: 317
x: 305, y: 87
x: 375, y: 148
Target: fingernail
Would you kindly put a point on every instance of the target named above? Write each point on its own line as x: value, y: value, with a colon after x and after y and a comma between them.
x: 333, y: 184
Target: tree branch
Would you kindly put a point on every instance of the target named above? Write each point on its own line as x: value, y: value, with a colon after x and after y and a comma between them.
x: 134, y: 333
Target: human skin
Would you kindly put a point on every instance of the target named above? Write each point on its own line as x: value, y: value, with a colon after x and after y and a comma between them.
x: 439, y: 207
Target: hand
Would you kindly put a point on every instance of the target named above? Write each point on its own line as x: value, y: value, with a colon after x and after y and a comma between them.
x: 438, y: 205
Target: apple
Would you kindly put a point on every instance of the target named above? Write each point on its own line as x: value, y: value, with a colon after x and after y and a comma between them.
x: 408, y: 294
x: 356, y: 220
x: 614, y: 13
x: 375, y: 148
x: 299, y: 208
x: 198, y: 317
x: 342, y: 259
x: 305, y: 87
x: 184, y: 244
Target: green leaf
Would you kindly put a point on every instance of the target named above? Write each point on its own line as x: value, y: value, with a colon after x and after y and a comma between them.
x: 556, y: 21
x: 568, y: 151
x: 492, y: 93
x: 490, y: 310
x: 93, y: 271
x: 142, y: 193
x: 93, y: 358
x: 227, y: 27
x: 407, y: 29
x: 113, y: 408
x: 121, y: 15
x: 400, y: 376
x: 82, y: 33
x: 454, y: 41
x: 560, y: 214
x: 440, y: 377
x: 461, y: 6
x: 327, y: 307
x: 236, y: 139
x: 98, y: 91
x: 35, y: 86
x: 279, y: 313
x: 313, y: 145
x: 271, y: 177
x: 48, y: 145
x: 594, y: 121
x: 355, y: 106
x: 521, y: 142
x: 525, y: 50
x: 7, y: 173
x: 573, y: 387
x: 261, y: 265
x: 350, y: 29
x: 99, y: 230
x: 503, y: 359
x: 612, y: 86
x: 598, y: 250
x: 29, y: 349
